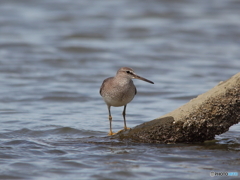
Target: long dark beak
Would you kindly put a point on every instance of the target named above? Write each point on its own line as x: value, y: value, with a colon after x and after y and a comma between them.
x: 141, y: 78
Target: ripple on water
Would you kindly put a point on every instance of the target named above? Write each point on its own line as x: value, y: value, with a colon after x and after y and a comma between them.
x: 58, y: 131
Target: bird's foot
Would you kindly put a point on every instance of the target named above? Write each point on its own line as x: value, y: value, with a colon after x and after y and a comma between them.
x: 111, y: 133
x: 122, y: 130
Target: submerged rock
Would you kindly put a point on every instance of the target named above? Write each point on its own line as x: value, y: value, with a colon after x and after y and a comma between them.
x: 203, y: 117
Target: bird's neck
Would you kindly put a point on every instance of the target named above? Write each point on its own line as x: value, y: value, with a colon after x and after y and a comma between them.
x: 123, y: 81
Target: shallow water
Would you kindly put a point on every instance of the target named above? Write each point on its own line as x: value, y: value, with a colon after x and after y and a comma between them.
x: 54, y: 56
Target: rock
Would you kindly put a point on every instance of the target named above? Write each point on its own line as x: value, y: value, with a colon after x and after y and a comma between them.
x: 203, y: 117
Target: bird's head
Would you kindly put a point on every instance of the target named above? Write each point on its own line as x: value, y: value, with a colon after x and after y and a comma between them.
x: 129, y: 73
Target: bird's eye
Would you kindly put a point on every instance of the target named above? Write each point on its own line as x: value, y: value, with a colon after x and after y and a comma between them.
x: 128, y: 72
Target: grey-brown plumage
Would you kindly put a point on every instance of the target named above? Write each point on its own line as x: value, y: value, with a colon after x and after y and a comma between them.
x: 119, y: 91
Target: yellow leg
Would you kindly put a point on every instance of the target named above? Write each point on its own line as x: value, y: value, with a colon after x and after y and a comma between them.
x: 122, y: 130
x: 124, y: 118
x: 110, y: 121
x: 111, y: 133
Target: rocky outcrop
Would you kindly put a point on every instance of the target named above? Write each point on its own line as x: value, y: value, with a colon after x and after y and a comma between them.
x: 203, y: 117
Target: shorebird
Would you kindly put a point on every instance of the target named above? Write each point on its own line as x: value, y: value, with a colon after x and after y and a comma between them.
x: 119, y: 91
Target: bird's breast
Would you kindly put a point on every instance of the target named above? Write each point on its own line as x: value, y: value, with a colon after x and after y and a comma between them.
x: 120, y: 94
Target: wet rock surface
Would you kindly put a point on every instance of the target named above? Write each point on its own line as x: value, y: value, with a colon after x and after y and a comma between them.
x: 205, y: 116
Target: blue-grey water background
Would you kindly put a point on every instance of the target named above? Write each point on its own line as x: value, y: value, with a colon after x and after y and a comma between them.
x: 54, y: 56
